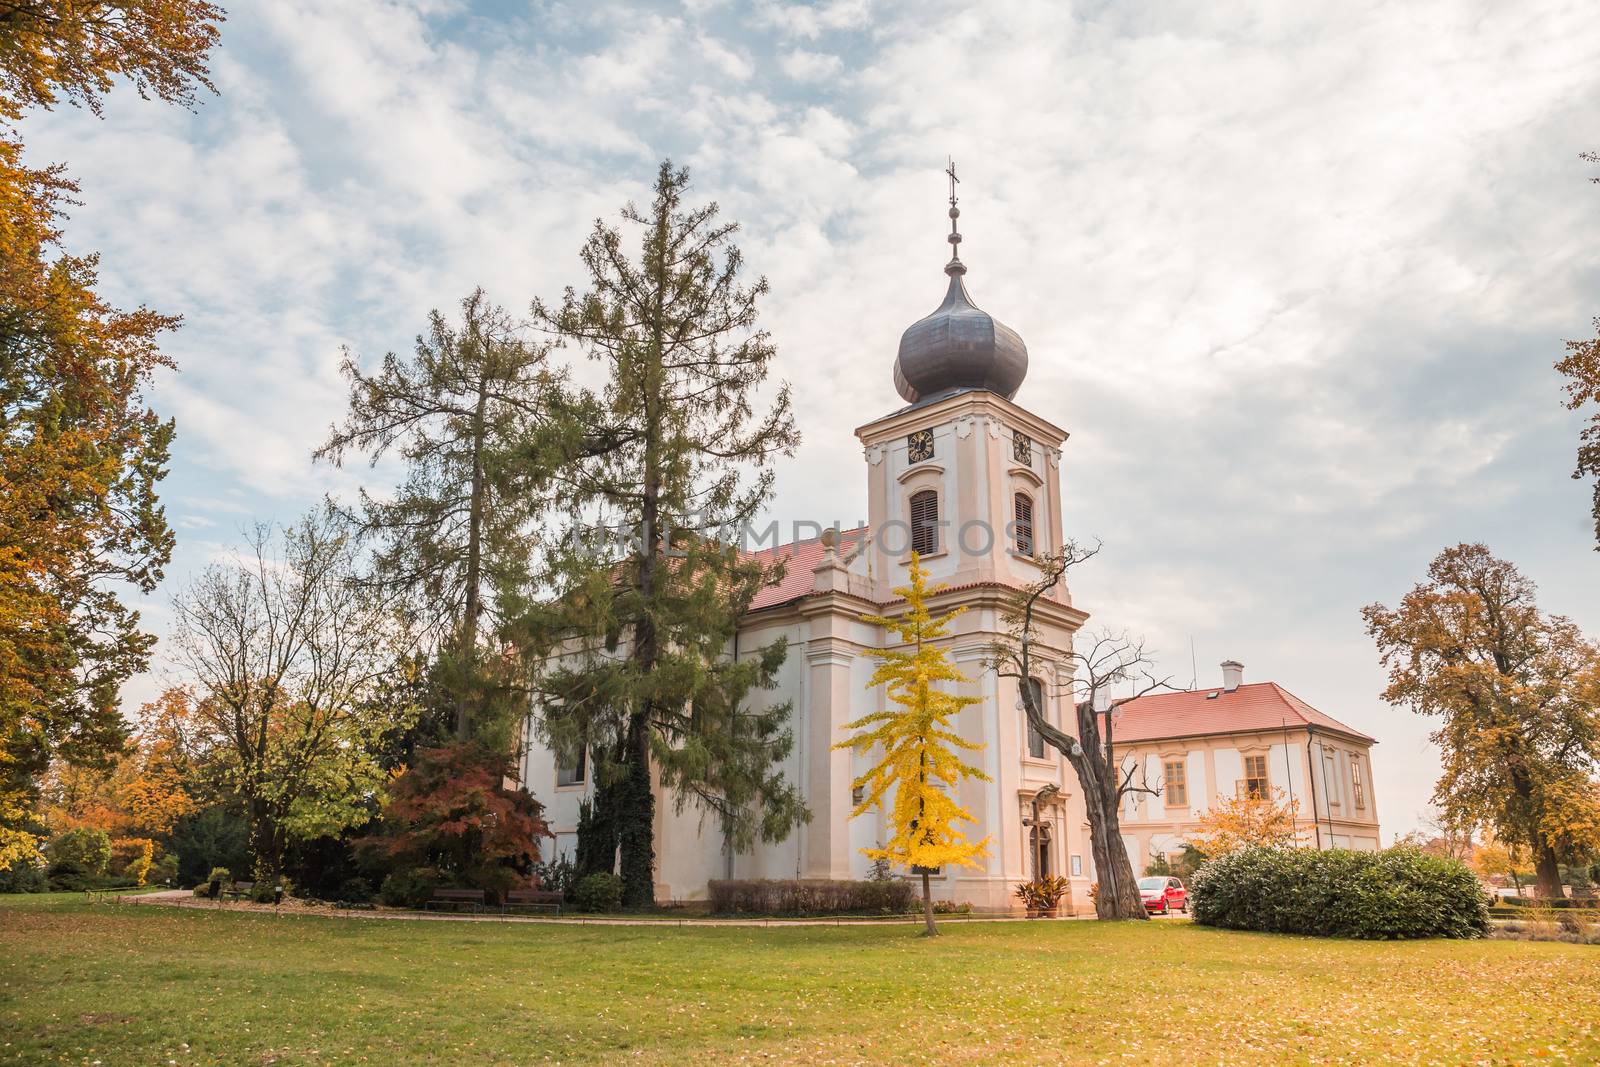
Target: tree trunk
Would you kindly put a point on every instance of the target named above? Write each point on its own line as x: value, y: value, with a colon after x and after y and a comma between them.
x: 466, y: 696
x: 635, y: 814
x: 930, y: 930
x: 1118, y: 897
x: 265, y: 852
x: 1547, y: 871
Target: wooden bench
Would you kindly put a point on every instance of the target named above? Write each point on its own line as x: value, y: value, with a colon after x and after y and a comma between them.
x: 457, y: 898
x: 533, y: 898
x: 238, y: 890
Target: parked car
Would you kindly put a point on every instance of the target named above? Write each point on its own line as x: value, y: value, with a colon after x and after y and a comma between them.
x: 1162, y: 895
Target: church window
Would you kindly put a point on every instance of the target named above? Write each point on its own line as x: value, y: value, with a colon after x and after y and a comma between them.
x: 1255, y: 776
x: 1035, y: 738
x: 1022, y: 448
x: 1177, y: 785
x: 919, y: 446
x: 1022, y: 507
x: 925, y: 522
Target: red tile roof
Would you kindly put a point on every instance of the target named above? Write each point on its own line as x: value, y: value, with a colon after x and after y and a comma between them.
x: 801, y: 559
x: 1257, y: 706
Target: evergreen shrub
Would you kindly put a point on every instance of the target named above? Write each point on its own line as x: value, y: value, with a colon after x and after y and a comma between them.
x: 1398, y: 893
x: 598, y: 892
x: 778, y: 896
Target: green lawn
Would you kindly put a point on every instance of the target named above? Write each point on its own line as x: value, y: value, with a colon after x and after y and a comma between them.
x: 150, y: 985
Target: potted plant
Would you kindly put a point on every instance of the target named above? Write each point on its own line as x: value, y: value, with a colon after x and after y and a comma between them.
x: 1042, y: 896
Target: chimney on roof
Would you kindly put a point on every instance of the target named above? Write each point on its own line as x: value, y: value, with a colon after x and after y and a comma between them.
x: 1232, y: 674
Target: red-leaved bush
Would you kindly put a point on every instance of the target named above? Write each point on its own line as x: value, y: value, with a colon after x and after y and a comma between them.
x: 450, y: 818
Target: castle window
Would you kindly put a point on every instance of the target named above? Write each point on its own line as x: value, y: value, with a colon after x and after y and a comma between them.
x: 919, y: 446
x: 1022, y: 448
x: 925, y: 522
x: 1022, y: 506
x: 1177, y: 784
x: 1035, y: 738
x: 1255, y: 776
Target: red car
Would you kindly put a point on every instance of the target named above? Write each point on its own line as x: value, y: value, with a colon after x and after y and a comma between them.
x: 1163, y: 895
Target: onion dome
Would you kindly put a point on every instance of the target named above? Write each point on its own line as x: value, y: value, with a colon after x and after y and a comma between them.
x: 958, y: 346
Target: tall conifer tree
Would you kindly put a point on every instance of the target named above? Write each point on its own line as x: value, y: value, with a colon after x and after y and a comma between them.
x: 650, y: 588
x: 919, y: 750
x: 469, y: 416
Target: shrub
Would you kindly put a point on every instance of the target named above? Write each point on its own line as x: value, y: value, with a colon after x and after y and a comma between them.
x: 598, y: 892
x: 219, y: 877
x: 409, y: 888
x: 78, y: 858
x: 165, y: 870
x: 23, y: 877
x: 354, y: 891
x: 1398, y: 893
x: 560, y: 875
x: 767, y: 896
x: 1043, y: 894
x: 265, y: 890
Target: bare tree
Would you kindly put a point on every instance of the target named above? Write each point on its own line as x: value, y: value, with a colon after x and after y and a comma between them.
x: 1108, y: 659
x: 289, y: 653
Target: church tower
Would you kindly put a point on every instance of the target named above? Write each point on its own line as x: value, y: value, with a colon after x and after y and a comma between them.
x: 971, y: 481
x: 963, y: 475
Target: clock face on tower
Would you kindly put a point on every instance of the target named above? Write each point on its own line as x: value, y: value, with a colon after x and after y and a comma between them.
x: 919, y: 446
x: 1021, y: 447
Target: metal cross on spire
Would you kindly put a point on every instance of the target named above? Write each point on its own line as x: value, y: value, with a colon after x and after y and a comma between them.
x: 955, y: 265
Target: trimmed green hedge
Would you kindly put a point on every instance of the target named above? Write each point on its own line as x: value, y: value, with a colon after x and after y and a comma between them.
x: 1398, y: 893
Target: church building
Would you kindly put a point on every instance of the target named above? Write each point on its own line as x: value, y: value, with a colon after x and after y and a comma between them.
x: 971, y: 480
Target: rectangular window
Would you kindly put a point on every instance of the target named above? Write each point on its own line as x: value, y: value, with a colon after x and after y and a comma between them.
x: 1177, y: 787
x: 857, y: 795
x: 1255, y: 776
x: 575, y: 775
x: 1077, y: 866
x: 1035, y: 738
x: 1355, y: 782
x: 1330, y: 778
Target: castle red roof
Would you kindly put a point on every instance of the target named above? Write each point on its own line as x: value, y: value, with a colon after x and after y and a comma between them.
x: 1247, y: 709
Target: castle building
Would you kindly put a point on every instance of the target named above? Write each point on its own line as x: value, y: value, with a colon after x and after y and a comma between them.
x: 970, y: 480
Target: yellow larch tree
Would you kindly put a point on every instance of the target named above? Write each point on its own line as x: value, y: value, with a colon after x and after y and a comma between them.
x: 920, y: 751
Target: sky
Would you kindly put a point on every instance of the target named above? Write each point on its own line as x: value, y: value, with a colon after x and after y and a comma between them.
x: 1293, y: 277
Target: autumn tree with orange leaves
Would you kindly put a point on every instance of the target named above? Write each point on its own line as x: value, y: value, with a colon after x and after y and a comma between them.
x: 81, y: 452
x: 1582, y: 368
x: 1517, y: 696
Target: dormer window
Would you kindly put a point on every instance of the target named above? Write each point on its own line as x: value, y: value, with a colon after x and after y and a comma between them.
x: 919, y: 446
x: 1022, y: 448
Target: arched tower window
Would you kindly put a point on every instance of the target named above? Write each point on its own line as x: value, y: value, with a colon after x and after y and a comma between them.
x: 1035, y: 738
x: 925, y: 522
x: 1022, y: 508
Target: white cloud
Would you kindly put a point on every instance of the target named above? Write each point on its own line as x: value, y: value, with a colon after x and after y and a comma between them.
x: 1293, y: 279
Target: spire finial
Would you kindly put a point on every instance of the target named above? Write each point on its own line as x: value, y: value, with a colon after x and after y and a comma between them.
x: 955, y: 266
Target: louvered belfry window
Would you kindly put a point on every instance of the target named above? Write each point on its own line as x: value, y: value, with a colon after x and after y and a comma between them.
x: 1024, y: 524
x: 925, y: 522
